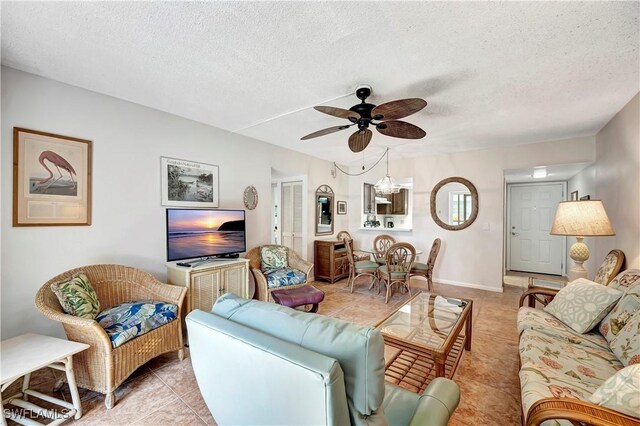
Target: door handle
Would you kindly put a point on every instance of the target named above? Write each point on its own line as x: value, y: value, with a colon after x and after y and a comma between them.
x: 514, y: 233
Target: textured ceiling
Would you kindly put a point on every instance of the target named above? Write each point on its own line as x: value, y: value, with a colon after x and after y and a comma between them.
x: 493, y: 73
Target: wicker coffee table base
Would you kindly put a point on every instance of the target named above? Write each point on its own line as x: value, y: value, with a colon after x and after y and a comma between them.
x: 414, y: 372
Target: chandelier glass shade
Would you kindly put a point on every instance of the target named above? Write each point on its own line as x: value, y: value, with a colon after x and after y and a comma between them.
x: 387, y: 185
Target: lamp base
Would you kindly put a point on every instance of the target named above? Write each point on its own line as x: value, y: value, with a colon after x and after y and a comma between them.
x: 576, y: 272
x: 579, y: 252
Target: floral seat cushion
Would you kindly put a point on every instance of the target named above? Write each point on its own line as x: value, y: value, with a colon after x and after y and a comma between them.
x: 556, y: 368
x: 544, y: 322
x: 578, y: 363
x: 284, y: 277
x: 126, y: 321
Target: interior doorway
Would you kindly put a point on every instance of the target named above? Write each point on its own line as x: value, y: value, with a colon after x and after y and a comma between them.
x: 289, y: 220
x: 530, y: 211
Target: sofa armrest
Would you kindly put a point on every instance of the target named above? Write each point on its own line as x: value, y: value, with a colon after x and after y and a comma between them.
x: 540, y: 294
x: 437, y: 403
x: 576, y: 411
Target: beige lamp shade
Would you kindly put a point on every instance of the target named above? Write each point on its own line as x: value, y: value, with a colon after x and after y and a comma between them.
x: 582, y: 218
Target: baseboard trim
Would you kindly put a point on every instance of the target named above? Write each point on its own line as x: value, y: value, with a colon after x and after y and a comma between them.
x: 469, y: 285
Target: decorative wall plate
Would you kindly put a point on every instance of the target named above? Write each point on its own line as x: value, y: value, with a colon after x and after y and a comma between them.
x: 250, y: 197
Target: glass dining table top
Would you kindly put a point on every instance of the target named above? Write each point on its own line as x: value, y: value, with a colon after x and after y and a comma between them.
x: 374, y: 251
x: 426, y: 320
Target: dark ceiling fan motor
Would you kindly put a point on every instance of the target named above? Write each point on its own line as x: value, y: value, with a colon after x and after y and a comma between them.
x: 365, y: 114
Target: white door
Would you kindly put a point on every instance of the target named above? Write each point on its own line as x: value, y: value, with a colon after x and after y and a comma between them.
x: 291, y: 221
x: 532, y: 209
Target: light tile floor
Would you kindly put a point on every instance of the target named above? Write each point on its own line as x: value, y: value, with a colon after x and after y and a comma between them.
x: 164, y: 391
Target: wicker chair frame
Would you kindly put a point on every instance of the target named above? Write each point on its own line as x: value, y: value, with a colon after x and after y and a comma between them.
x: 399, y: 258
x: 574, y: 410
x: 428, y: 273
x: 346, y: 237
x: 355, y: 272
x: 101, y: 368
x: 263, y: 292
x: 381, y: 244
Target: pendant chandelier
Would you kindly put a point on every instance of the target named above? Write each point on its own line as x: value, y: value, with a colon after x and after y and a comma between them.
x: 387, y: 185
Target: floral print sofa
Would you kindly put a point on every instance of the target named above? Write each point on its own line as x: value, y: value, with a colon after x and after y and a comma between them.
x: 591, y: 377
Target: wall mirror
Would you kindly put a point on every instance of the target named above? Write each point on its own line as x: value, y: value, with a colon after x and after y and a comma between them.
x: 250, y: 197
x: 454, y: 203
x: 324, y: 210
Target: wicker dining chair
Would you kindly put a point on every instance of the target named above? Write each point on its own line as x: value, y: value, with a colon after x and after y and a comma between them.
x: 358, y: 255
x: 359, y: 268
x: 397, y: 270
x: 101, y: 368
x: 381, y: 244
x: 426, y: 269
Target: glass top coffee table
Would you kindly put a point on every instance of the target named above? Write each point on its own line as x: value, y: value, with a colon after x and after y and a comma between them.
x: 431, y: 332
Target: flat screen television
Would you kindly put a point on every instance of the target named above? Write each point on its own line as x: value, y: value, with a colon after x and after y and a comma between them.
x: 201, y: 233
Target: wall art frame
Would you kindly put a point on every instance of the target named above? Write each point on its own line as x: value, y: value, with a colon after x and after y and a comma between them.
x: 52, y: 177
x: 574, y: 196
x: 250, y: 197
x: 342, y: 207
x: 189, y: 183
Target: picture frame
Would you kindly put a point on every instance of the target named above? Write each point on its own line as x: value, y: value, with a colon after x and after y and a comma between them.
x: 51, y: 179
x: 189, y: 183
x: 574, y: 196
x: 342, y: 207
x: 585, y: 197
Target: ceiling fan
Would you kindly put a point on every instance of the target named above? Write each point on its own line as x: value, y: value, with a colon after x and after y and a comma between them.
x: 385, y: 117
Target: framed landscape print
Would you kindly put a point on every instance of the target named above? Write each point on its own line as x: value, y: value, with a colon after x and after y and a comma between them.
x: 189, y: 184
x: 51, y: 179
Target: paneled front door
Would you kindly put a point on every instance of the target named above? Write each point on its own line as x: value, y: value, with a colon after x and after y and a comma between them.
x: 532, y: 209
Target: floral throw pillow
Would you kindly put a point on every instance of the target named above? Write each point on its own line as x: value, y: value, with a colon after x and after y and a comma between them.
x: 273, y: 257
x: 618, y: 317
x: 627, y: 281
x: 603, y: 274
x: 582, y: 304
x: 626, y: 345
x: 621, y: 392
x: 77, y: 296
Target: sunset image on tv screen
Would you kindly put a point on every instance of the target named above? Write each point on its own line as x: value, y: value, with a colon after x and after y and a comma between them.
x: 201, y: 233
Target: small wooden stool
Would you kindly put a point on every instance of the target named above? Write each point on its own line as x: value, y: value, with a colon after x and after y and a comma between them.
x: 305, y: 295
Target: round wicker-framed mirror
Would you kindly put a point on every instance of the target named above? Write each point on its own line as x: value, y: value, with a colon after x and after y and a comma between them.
x: 454, y: 203
x: 250, y: 197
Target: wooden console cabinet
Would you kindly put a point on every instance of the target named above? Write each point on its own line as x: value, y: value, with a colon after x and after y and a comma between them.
x: 211, y: 280
x: 330, y: 260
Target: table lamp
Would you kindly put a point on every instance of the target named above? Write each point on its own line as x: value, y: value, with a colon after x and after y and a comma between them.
x: 581, y: 219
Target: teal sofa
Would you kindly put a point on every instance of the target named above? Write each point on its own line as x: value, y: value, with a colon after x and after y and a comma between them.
x: 260, y: 363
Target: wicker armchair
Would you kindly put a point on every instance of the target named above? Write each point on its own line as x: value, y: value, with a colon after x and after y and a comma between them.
x: 102, y: 368
x: 263, y: 292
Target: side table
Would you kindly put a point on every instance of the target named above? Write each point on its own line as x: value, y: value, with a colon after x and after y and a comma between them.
x: 27, y: 353
x: 553, y: 283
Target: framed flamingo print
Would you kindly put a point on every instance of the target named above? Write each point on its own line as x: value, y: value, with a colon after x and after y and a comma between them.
x: 51, y: 179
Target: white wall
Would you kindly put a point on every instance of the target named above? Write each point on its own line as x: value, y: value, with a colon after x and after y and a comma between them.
x: 585, y: 183
x: 473, y: 256
x: 128, y: 221
x: 617, y: 182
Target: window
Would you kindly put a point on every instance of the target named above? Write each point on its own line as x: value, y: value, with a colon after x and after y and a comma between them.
x: 459, y: 207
